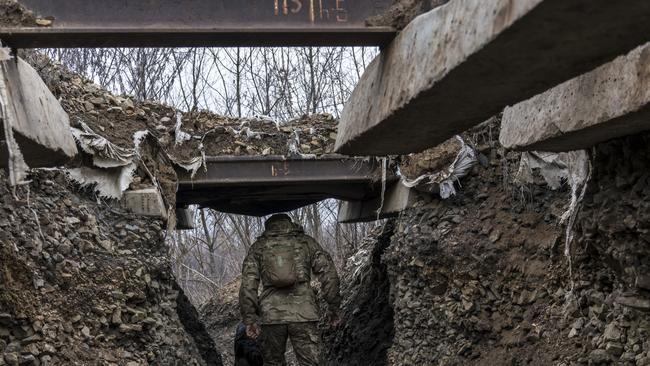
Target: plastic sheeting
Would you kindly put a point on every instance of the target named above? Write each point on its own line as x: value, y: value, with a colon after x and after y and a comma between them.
x: 113, y: 167
x: 552, y: 167
x: 572, y: 168
x: 294, y: 144
x: 110, y: 183
x: 179, y: 135
x: 445, y: 179
x: 105, y: 154
x: 578, y: 177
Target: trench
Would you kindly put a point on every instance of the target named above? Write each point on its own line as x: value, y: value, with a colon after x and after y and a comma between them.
x: 482, y: 278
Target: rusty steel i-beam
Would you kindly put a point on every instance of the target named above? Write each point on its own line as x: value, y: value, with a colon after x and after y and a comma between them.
x: 261, y: 185
x: 181, y: 23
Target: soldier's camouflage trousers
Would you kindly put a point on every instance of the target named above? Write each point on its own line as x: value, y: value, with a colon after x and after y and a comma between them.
x: 305, y: 339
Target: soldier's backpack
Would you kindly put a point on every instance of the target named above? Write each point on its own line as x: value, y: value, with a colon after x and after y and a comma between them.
x: 279, y: 264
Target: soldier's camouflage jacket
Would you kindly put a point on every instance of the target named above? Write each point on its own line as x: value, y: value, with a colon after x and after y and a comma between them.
x: 292, y: 304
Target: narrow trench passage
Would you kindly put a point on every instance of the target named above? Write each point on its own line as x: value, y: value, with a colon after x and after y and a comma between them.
x: 511, y: 262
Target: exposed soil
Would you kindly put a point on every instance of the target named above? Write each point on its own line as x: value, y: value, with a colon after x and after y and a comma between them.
x: 14, y: 14
x: 221, y: 317
x: 118, y: 118
x: 482, y: 279
x: 82, y: 283
x: 367, y: 332
x: 402, y: 12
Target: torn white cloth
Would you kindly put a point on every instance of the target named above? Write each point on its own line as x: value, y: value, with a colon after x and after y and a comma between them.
x: 552, y: 167
x: 114, y: 166
x: 138, y: 138
x: 294, y: 144
x: 5, y: 54
x: 191, y: 166
x: 180, y: 136
x: 578, y: 176
x: 105, y: 154
x: 573, y: 168
x: 109, y: 183
x: 246, y: 132
x: 445, y: 179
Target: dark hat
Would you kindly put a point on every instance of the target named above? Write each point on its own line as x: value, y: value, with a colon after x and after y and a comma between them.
x: 277, y: 218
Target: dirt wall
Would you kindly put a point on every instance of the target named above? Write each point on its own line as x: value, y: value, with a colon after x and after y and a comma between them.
x: 482, y: 279
x: 83, y: 283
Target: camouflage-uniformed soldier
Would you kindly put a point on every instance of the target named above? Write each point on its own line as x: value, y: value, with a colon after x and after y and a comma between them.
x: 283, y: 260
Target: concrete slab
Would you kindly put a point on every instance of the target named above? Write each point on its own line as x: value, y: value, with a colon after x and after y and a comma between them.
x: 40, y: 126
x: 462, y: 63
x: 609, y: 102
x: 145, y: 202
x: 398, y: 198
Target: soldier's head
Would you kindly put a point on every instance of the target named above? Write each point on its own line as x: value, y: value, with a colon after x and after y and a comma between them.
x: 278, y: 222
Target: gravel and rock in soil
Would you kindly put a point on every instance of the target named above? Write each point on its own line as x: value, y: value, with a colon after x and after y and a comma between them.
x: 168, y: 143
x: 14, y: 14
x: 402, y: 12
x: 83, y: 283
x: 118, y: 118
x: 482, y: 279
x: 367, y: 332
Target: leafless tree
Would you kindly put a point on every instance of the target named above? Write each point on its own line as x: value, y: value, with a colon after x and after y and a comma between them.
x: 282, y: 83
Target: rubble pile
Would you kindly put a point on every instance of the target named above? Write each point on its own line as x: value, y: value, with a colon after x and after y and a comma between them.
x: 14, y: 14
x: 82, y: 283
x: 119, y: 118
x: 154, y: 141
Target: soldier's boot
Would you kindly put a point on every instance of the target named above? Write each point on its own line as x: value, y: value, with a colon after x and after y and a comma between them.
x: 274, y: 344
x: 306, y: 342
x: 241, y: 362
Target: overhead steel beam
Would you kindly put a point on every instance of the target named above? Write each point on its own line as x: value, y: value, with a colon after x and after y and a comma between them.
x: 262, y: 185
x: 181, y: 23
x: 279, y: 170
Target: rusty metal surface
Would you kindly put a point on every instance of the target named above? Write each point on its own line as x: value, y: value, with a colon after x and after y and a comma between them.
x: 135, y: 37
x: 149, y: 23
x: 259, y: 186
